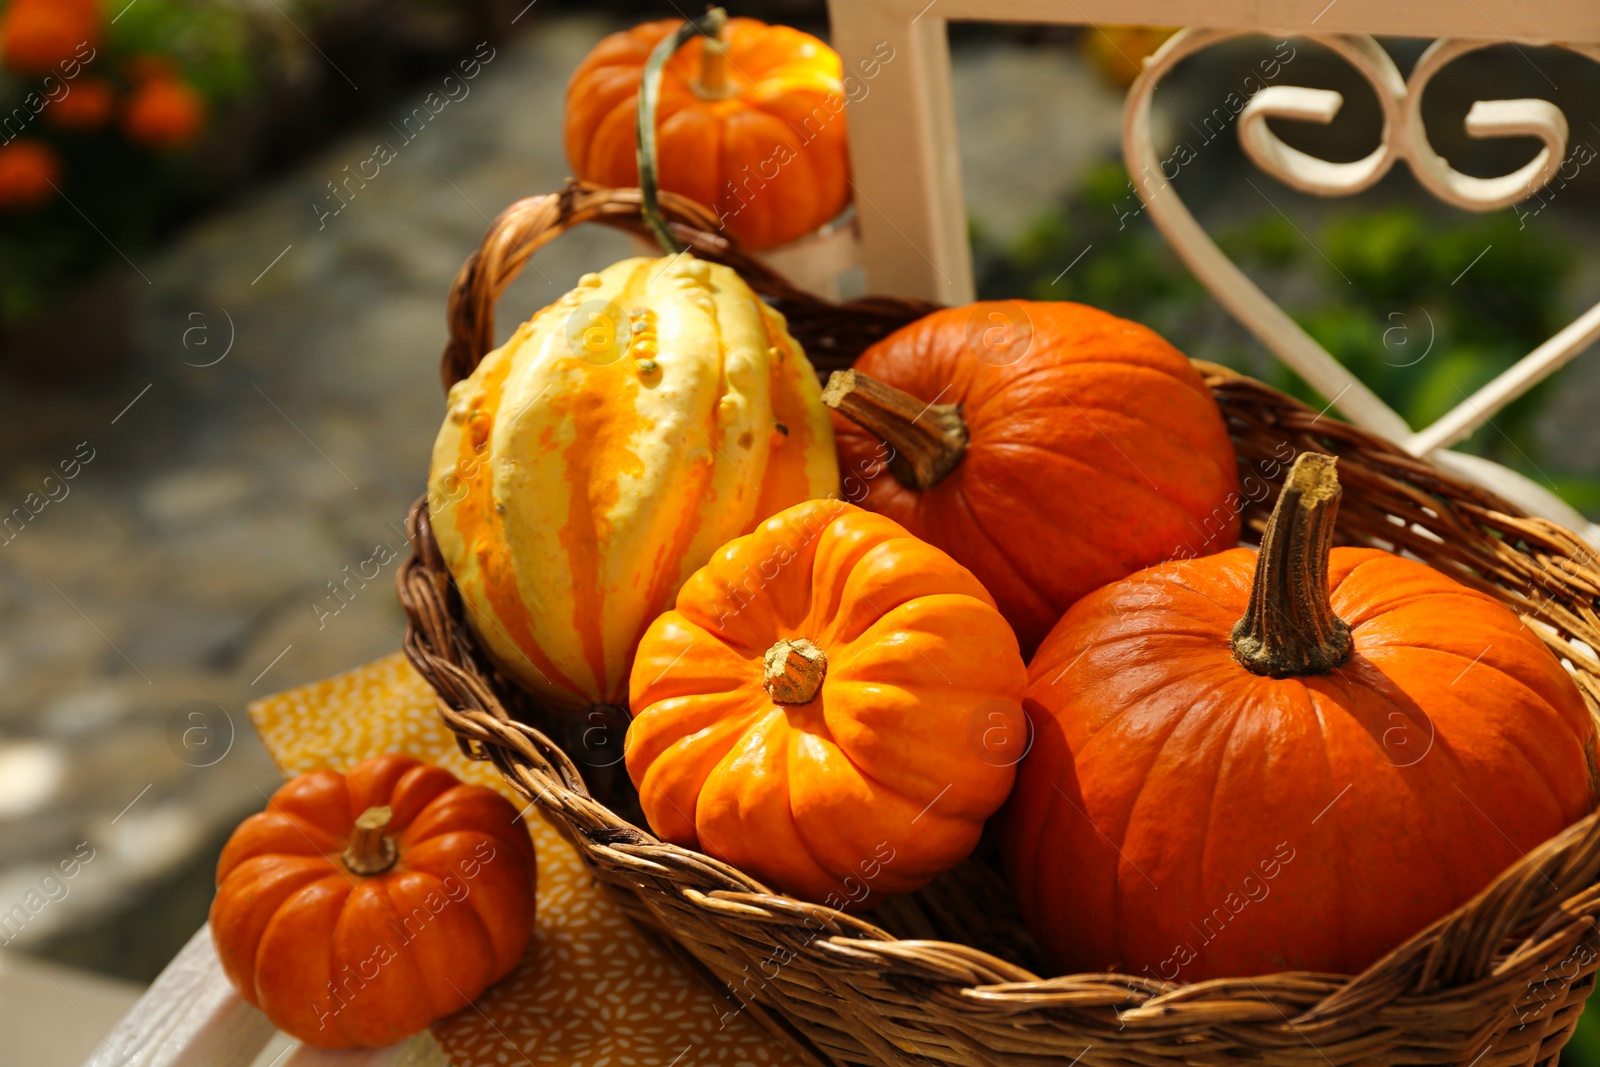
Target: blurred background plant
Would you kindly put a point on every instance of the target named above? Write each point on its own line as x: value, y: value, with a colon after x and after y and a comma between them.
x: 1400, y: 288
x: 1383, y: 289
x: 120, y: 121
x: 99, y: 115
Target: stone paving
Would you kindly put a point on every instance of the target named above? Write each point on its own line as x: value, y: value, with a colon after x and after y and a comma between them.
x: 265, y: 443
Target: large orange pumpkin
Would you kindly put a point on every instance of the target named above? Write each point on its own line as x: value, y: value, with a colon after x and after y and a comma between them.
x: 752, y: 126
x: 1049, y: 447
x: 832, y: 707
x: 1286, y: 761
x: 360, y: 907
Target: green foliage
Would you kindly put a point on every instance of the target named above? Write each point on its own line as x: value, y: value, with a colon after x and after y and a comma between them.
x: 116, y: 196
x: 209, y: 42
x: 1584, y: 1048
x: 1424, y: 309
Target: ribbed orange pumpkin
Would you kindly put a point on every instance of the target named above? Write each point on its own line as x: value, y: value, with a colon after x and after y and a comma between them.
x: 360, y: 907
x: 1049, y: 447
x: 1247, y: 764
x: 833, y: 707
x: 754, y: 129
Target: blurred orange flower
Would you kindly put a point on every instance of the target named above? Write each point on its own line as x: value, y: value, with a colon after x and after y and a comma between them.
x: 164, y: 113
x: 144, y: 67
x: 87, y: 105
x: 35, y: 35
x: 28, y: 171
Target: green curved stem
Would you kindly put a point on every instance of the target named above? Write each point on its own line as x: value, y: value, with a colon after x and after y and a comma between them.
x: 710, y: 24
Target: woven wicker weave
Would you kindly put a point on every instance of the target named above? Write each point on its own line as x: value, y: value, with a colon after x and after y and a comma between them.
x: 945, y: 976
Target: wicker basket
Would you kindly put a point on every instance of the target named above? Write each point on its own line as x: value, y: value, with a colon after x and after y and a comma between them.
x: 947, y: 975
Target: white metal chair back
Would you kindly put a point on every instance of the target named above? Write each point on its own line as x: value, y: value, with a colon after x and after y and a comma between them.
x: 912, y: 212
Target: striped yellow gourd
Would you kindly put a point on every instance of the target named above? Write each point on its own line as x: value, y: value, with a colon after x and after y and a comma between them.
x: 594, y: 461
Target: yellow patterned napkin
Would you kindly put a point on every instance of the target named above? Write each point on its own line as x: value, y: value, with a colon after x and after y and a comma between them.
x: 591, y: 989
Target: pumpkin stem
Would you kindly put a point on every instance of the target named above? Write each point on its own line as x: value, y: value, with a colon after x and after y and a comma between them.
x: 713, y: 81
x: 927, y: 441
x: 710, y: 25
x: 1289, y: 627
x: 371, y: 852
x: 794, y: 671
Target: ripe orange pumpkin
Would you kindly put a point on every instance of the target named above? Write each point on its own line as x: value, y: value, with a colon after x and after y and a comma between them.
x: 1286, y: 761
x: 833, y: 707
x: 753, y: 127
x: 360, y: 907
x: 1049, y: 447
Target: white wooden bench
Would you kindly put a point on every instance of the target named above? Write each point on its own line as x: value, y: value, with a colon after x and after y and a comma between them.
x: 191, y: 1017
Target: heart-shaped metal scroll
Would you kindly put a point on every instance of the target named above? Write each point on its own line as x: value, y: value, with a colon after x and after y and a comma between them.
x: 1404, y: 138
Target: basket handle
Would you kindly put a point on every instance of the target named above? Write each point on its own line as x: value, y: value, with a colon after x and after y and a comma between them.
x: 832, y: 334
x: 533, y: 222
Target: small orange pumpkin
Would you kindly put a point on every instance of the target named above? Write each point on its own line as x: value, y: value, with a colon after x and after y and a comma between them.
x: 360, y: 907
x: 752, y: 126
x: 1291, y: 760
x: 832, y: 707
